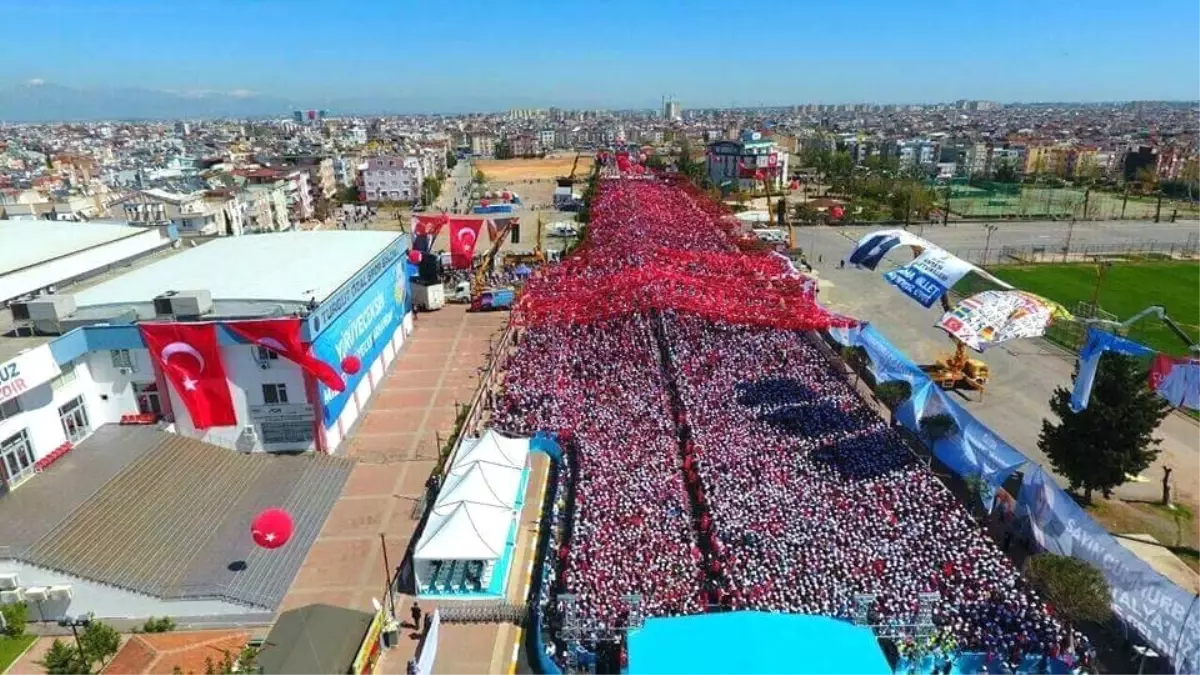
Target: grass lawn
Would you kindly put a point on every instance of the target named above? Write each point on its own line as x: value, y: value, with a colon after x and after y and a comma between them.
x: 1128, y: 288
x: 1179, y: 534
x: 11, y: 648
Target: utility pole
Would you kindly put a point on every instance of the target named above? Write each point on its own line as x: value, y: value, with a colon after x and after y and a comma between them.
x: 1124, y: 201
x: 987, y: 244
x: 946, y: 211
x: 1158, y: 208
x: 1101, y: 273
x: 1067, y: 247
x: 1086, y: 195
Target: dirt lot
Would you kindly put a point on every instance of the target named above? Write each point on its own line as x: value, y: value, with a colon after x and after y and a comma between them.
x: 548, y: 168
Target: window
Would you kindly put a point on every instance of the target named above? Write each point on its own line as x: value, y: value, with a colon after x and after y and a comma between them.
x: 148, y: 401
x: 74, y: 419
x: 263, y: 354
x: 16, y: 458
x: 121, y: 358
x: 274, y: 394
x: 10, y: 408
x: 67, y: 376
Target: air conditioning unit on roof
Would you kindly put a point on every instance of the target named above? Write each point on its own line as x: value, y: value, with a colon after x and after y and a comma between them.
x: 36, y: 594
x: 60, y: 592
x: 9, y: 581
x: 12, y: 597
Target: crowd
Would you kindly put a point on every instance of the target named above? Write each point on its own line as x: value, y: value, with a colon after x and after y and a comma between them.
x: 602, y: 384
x: 721, y: 460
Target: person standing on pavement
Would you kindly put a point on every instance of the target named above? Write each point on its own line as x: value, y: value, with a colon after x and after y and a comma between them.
x: 415, y: 612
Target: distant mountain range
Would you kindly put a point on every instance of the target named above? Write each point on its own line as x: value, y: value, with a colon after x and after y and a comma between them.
x: 47, y: 102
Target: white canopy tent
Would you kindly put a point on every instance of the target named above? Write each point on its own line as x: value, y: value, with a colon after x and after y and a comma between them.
x: 467, y: 530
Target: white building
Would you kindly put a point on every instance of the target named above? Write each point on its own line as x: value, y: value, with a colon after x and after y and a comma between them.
x: 392, y: 178
x: 737, y: 163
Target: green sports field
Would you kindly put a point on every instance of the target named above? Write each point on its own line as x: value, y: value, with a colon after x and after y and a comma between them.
x: 1128, y: 288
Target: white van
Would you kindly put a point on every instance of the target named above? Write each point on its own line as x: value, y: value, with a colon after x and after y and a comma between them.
x: 771, y: 235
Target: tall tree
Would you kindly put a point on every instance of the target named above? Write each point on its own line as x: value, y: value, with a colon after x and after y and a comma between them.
x: 891, y: 394
x: 63, y: 659
x: 1110, y: 439
x: 100, y: 642
x: 1078, y: 591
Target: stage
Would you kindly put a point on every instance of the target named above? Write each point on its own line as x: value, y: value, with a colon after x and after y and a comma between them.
x: 754, y: 642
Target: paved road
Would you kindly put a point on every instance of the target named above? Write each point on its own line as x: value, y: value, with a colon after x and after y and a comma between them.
x: 970, y: 239
x: 1024, y: 373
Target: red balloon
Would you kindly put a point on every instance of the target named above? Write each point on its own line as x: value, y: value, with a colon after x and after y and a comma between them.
x: 351, y: 365
x: 272, y: 528
x: 837, y: 212
x: 414, y: 257
x: 483, y: 203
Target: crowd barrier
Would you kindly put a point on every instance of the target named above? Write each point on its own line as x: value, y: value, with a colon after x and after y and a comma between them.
x: 1164, y: 615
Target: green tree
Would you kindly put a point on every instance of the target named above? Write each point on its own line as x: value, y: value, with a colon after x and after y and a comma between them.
x: 806, y: 214
x: 164, y: 625
x: 936, y: 427
x: 451, y: 159
x: 1006, y: 172
x: 892, y: 394
x: 63, y: 659
x: 16, y: 615
x: 1147, y: 179
x: 1078, y: 591
x: 856, y: 359
x: 431, y: 187
x: 656, y: 162
x: 1112, y: 438
x: 480, y: 178
x: 100, y: 642
x: 503, y: 150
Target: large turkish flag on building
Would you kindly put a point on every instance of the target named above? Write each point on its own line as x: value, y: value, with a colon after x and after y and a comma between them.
x: 430, y: 225
x: 189, y: 357
x: 282, y: 336
x: 464, y: 232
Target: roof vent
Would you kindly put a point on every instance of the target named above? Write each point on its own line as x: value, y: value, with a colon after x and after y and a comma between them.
x: 183, y: 304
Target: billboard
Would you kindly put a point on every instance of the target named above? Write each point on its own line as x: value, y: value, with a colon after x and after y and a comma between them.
x: 362, y: 330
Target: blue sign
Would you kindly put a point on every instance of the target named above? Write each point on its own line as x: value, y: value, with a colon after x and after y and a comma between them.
x: 922, y: 287
x: 362, y: 330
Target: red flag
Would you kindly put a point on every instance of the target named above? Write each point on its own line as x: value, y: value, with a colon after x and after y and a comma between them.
x: 464, y: 232
x: 190, y: 359
x: 282, y: 336
x: 430, y: 225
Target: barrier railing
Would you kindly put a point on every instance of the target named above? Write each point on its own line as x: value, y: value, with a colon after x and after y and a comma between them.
x: 1153, y: 607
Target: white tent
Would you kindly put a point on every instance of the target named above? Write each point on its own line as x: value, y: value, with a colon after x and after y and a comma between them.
x: 493, y: 448
x: 481, y: 483
x: 473, y: 514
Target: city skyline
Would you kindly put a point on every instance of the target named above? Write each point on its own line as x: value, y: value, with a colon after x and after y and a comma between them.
x: 615, y: 56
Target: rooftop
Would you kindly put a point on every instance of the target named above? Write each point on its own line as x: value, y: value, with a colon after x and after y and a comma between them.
x: 163, y: 653
x: 125, y: 508
x: 24, y: 243
x: 314, y: 639
x: 276, y: 267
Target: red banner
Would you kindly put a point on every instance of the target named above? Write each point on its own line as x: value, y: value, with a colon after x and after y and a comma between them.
x: 431, y: 225
x: 282, y: 336
x: 190, y: 358
x: 464, y: 233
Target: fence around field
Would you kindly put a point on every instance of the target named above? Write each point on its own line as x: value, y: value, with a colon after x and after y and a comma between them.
x: 1014, y: 200
x: 1059, y: 253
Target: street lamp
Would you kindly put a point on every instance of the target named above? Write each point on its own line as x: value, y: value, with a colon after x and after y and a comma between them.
x: 987, y: 245
x: 75, y: 623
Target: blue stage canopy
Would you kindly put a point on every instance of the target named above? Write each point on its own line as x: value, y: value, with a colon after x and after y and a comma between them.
x: 754, y: 642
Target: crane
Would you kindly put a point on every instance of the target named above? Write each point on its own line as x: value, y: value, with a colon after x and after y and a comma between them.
x: 1159, y: 312
x: 479, y: 281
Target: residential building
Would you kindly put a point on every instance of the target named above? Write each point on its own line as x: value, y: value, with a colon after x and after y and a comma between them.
x: 736, y: 163
x: 391, y: 178
x: 483, y: 145
x: 198, y: 213
x: 672, y: 111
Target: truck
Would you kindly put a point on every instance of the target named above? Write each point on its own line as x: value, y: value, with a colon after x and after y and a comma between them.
x: 428, y: 297
x: 494, y: 299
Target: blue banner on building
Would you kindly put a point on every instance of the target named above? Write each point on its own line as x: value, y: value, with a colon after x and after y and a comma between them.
x: 362, y: 330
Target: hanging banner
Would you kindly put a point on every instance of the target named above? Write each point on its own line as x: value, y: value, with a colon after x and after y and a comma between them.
x: 429, y: 645
x: 1098, y: 342
x: 1177, y: 380
x: 871, y: 249
x: 989, y: 318
x: 929, y: 276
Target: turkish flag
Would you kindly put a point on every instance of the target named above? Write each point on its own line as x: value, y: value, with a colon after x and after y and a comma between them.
x: 282, y: 336
x: 189, y: 357
x: 430, y: 225
x: 464, y: 232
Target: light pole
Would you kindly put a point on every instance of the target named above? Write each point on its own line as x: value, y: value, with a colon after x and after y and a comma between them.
x: 987, y: 244
x: 75, y: 623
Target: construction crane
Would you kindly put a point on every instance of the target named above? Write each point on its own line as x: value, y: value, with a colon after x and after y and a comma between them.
x: 569, y: 181
x: 1160, y: 313
x: 537, y: 256
x: 479, y: 281
x: 958, y: 370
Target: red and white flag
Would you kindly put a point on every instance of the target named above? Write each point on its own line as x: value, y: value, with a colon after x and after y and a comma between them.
x: 282, y: 336
x: 190, y: 358
x: 464, y: 232
x: 431, y: 224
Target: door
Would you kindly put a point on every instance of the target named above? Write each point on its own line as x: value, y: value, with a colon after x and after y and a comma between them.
x: 74, y: 420
x: 16, y: 459
x: 148, y: 402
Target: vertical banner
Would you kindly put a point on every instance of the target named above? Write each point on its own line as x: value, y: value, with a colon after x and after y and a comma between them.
x: 464, y: 234
x: 429, y: 646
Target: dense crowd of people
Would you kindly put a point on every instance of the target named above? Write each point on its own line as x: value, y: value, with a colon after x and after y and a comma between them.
x: 724, y: 463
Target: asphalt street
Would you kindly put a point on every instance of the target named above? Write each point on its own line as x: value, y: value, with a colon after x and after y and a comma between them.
x: 1023, y: 373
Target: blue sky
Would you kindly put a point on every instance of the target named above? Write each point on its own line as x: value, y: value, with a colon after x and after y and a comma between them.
x: 464, y: 55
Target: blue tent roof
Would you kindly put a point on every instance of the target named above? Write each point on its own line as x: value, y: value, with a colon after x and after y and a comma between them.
x: 754, y: 642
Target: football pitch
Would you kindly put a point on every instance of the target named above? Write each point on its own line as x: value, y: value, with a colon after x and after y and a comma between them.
x: 1030, y: 202
x: 1127, y: 288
